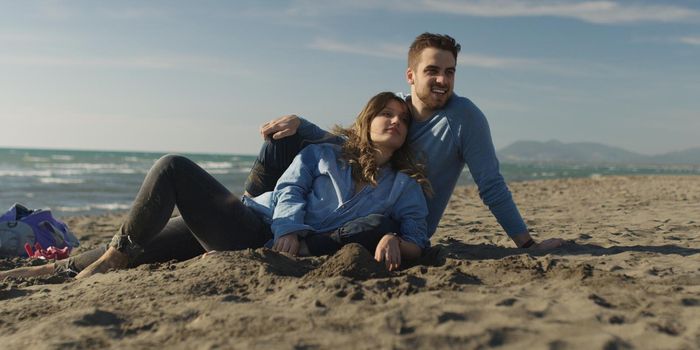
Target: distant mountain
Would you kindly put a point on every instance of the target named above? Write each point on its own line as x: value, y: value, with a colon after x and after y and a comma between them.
x: 588, y: 152
x: 688, y: 156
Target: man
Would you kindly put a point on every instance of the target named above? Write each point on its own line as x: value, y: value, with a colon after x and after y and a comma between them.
x: 448, y: 131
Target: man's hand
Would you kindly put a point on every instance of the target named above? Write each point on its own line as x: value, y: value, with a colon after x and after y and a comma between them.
x: 280, y: 127
x: 389, y: 251
x: 287, y: 244
x: 549, y: 244
x: 522, y: 239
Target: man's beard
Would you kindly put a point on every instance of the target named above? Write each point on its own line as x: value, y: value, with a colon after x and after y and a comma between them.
x: 432, y: 103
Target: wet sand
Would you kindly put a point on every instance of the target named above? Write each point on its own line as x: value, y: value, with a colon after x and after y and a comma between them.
x: 629, y: 278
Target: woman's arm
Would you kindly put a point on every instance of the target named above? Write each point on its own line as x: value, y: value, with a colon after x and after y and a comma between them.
x: 411, y: 210
x: 290, y: 194
x: 391, y: 249
x: 409, y: 250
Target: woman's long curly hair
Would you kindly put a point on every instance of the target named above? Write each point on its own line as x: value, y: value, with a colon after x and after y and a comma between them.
x: 359, y: 151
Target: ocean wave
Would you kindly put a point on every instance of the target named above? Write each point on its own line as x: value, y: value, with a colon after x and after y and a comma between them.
x: 89, y: 207
x: 84, y: 166
x: 35, y: 159
x: 56, y: 180
x: 62, y: 157
x: 87, y: 168
x: 112, y: 206
x: 215, y: 165
x: 218, y: 172
x: 25, y: 173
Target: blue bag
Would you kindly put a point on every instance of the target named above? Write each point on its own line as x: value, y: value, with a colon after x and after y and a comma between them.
x: 21, y: 225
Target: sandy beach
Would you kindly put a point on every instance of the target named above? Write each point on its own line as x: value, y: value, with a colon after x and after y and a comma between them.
x: 629, y: 279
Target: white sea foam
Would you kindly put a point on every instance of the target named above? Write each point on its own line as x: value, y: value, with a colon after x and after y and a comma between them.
x: 25, y: 173
x: 218, y: 172
x: 57, y: 180
x: 215, y: 165
x: 62, y: 157
x: 35, y: 159
x: 66, y: 169
x: 101, y: 206
x: 112, y: 206
x: 85, y: 166
x: 73, y: 209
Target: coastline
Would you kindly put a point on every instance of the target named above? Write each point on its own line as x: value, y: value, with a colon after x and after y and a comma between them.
x: 631, y: 280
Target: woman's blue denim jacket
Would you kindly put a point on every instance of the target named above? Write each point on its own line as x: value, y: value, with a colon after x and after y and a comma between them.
x: 316, y: 193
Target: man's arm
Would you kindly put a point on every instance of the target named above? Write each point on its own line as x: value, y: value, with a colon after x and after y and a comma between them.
x: 291, y: 124
x: 480, y: 156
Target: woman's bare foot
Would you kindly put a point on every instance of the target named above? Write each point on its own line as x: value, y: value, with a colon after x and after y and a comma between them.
x: 29, y: 271
x: 111, y: 259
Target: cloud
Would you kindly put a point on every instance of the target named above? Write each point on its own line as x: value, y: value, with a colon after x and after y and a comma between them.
x: 690, y: 40
x: 136, y: 13
x: 21, y: 38
x: 393, y: 51
x: 595, y: 11
x: 400, y: 51
x: 493, y: 62
x: 201, y: 64
x: 599, y: 12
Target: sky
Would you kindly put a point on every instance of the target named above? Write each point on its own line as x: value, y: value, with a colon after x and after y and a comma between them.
x: 202, y: 76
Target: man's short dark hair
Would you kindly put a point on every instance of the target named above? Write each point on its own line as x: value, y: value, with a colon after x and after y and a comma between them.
x: 426, y: 40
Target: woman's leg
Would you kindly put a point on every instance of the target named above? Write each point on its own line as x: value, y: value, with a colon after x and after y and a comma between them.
x: 71, y: 265
x: 175, y: 241
x: 217, y: 219
x: 29, y: 271
x: 274, y: 158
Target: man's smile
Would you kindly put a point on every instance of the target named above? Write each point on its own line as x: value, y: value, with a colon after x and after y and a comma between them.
x: 438, y: 90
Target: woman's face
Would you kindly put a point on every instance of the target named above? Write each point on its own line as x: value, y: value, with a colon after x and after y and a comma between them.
x: 388, y: 129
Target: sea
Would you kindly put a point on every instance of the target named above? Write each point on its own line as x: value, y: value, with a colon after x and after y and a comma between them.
x: 71, y: 182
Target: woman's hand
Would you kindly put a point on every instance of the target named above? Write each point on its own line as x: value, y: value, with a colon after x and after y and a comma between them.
x: 287, y: 244
x: 389, y: 251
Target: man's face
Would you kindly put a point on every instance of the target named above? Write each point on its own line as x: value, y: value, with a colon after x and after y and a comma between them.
x: 433, y: 77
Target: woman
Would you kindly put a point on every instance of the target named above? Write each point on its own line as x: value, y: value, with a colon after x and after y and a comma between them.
x: 326, y: 186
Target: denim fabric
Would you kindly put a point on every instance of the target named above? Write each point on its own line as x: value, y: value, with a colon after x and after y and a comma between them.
x: 274, y: 158
x: 316, y: 193
x: 456, y: 135
x: 214, y: 216
x: 174, y: 242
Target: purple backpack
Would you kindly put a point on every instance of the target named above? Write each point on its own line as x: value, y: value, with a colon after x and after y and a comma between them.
x: 21, y: 225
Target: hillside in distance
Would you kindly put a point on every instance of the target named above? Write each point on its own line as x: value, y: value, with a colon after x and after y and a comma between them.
x: 589, y: 152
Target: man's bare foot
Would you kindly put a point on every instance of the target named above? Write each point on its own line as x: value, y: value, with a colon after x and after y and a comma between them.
x: 29, y: 271
x: 111, y: 259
